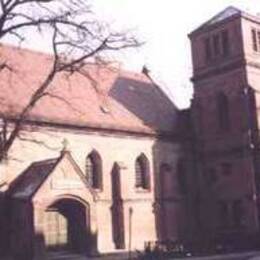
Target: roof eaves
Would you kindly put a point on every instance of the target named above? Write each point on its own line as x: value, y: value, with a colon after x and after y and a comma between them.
x: 253, y: 18
x: 12, y: 191
x: 95, y: 127
x: 48, y: 174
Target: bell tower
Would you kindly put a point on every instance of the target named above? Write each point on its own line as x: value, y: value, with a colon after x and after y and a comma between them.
x: 226, y: 78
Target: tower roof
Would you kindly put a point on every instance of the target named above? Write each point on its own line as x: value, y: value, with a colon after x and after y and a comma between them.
x: 223, y: 15
x: 226, y: 13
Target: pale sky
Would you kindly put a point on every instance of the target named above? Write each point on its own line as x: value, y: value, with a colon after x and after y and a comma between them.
x: 164, y: 26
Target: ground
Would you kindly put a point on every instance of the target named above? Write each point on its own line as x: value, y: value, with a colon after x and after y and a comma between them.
x: 234, y: 256
x: 239, y: 256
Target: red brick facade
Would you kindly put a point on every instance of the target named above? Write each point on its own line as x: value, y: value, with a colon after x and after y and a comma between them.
x: 225, y: 117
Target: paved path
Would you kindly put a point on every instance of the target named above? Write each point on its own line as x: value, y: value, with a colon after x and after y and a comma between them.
x: 235, y: 256
x: 71, y: 256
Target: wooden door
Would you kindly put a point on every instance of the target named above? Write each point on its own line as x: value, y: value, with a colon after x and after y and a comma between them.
x: 55, y: 230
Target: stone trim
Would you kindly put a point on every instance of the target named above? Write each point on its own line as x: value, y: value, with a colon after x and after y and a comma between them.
x: 126, y: 200
x: 167, y: 136
x: 218, y: 70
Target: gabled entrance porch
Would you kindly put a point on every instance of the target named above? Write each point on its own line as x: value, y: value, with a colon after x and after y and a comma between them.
x: 52, y: 206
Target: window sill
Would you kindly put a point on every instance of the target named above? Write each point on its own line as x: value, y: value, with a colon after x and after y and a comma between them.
x: 99, y: 190
x: 142, y: 190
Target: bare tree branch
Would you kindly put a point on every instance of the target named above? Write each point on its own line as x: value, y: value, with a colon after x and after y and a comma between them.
x: 76, y: 36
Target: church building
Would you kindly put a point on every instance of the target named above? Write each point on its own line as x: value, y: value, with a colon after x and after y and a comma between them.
x: 107, y: 163
x: 97, y: 166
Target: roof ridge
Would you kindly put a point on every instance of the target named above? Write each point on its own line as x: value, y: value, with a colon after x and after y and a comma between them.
x: 129, y: 95
x: 25, y: 49
x: 111, y: 64
x: 229, y: 11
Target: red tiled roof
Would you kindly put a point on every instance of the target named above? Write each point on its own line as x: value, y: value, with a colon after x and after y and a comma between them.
x: 121, y: 100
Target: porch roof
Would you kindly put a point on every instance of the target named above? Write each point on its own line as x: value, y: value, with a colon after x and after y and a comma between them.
x: 27, y: 184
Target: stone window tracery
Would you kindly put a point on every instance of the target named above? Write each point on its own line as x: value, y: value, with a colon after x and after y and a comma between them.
x: 142, y: 172
x: 93, y: 169
x: 255, y: 39
x: 217, y: 46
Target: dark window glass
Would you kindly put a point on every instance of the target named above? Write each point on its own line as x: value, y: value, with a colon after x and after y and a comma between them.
x: 237, y: 213
x: 258, y: 40
x: 199, y: 115
x: 216, y: 45
x: 117, y: 209
x: 210, y: 176
x: 165, y: 169
x: 89, y: 169
x: 223, y: 112
x: 142, y: 175
x: 181, y: 174
x: 223, y: 214
x: 94, y: 170
x: 207, y: 49
x: 225, y: 43
x: 1, y: 142
x: 254, y: 39
x: 226, y: 169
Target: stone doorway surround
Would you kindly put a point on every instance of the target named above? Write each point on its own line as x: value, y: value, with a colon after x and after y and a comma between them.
x: 48, y: 186
x: 66, y: 226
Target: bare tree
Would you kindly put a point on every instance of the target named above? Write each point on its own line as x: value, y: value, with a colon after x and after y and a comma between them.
x: 75, y: 34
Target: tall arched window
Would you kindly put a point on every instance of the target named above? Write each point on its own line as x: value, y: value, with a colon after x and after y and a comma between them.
x: 198, y: 108
x: 165, y: 180
x: 223, y: 214
x: 142, y: 172
x: 117, y: 209
x: 181, y: 176
x: 223, y: 111
x: 94, y: 170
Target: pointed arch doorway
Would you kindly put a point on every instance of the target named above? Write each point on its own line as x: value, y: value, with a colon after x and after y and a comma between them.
x: 54, y: 209
x: 66, y: 226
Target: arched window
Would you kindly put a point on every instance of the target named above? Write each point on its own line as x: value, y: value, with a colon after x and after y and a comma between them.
x: 165, y: 180
x: 223, y: 214
x: 181, y: 176
x: 94, y: 170
x: 117, y: 209
x: 223, y: 112
x: 198, y: 108
x: 238, y: 212
x: 142, y: 172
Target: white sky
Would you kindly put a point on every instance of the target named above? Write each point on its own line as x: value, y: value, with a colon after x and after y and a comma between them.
x: 164, y: 25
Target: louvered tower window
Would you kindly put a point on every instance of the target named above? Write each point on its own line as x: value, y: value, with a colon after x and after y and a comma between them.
x: 223, y: 111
